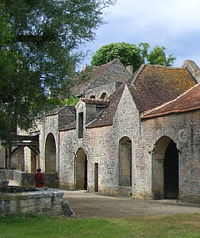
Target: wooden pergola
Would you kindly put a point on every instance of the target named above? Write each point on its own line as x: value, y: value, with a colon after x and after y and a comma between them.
x: 19, y: 143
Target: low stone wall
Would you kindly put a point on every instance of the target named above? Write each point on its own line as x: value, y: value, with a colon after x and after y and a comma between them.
x: 6, y: 174
x: 28, y: 179
x: 14, y: 200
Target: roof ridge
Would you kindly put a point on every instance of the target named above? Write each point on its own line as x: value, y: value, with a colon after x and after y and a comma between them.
x: 137, y: 73
x: 163, y: 66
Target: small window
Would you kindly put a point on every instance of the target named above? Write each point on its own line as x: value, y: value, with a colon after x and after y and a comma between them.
x: 103, y: 96
x: 92, y: 97
x: 80, y: 125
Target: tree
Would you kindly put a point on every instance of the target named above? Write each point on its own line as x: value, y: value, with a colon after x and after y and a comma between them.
x: 20, y: 89
x: 128, y: 54
x: 156, y: 56
x: 38, y: 51
x: 47, y: 33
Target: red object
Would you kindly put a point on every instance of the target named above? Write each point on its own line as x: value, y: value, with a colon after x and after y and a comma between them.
x: 38, y: 178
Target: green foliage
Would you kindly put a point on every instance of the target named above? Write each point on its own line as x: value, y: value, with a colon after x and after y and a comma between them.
x: 128, y: 54
x: 21, y: 93
x: 38, y: 51
x: 71, y: 101
x: 174, y: 226
x: 47, y: 33
x: 156, y: 56
x: 144, y: 51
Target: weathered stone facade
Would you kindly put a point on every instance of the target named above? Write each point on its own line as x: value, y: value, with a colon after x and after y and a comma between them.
x: 142, y: 140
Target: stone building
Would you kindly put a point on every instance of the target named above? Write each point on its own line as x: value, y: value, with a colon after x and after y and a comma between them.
x: 133, y: 135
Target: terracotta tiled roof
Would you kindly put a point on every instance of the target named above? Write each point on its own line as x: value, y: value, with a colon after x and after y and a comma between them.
x: 69, y: 127
x: 188, y: 101
x: 154, y: 85
x: 106, y: 118
x: 55, y: 111
x: 79, y: 89
x: 100, y: 69
x: 150, y: 87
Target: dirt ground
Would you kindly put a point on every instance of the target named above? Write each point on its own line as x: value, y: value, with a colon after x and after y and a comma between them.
x: 86, y: 205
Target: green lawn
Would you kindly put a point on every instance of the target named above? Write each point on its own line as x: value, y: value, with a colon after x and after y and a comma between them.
x: 58, y: 227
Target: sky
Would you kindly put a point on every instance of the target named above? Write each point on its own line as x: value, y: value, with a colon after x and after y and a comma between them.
x: 174, y: 24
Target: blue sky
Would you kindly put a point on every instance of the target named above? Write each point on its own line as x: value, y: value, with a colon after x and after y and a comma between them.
x: 174, y: 24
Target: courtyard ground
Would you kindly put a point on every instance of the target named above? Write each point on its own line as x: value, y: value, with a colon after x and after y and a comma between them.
x: 87, y: 205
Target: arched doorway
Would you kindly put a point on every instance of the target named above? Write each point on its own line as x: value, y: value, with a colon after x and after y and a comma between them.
x: 165, y: 167
x: 81, y: 170
x: 125, y: 162
x: 50, y: 154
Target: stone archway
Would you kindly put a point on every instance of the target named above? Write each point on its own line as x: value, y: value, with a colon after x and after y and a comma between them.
x: 50, y: 154
x: 81, y: 165
x: 125, y: 162
x: 165, y: 167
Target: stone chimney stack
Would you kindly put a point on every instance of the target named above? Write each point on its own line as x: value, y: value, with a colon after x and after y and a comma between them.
x: 194, y: 70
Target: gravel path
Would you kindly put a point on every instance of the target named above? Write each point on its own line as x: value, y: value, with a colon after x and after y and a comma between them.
x: 87, y: 205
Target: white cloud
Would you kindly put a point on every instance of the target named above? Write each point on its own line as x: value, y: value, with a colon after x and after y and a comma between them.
x: 175, y: 16
x: 170, y: 23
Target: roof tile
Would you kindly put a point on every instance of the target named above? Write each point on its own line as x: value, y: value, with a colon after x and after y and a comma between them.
x: 188, y: 101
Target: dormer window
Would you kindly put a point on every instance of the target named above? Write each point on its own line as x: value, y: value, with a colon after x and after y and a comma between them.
x: 80, y: 125
x: 103, y: 96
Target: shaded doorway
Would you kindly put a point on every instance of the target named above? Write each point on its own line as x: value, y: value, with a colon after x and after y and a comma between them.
x: 171, y: 171
x: 81, y: 170
x: 50, y: 154
x: 125, y: 162
x: 96, y: 177
x: 165, y: 167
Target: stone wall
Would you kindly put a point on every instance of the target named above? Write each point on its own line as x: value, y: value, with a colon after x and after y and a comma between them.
x: 108, y: 89
x: 101, y: 146
x: 50, y: 125
x: 68, y: 147
x: 6, y: 174
x: 28, y: 179
x: 40, y: 201
x: 116, y: 72
x: 184, y: 130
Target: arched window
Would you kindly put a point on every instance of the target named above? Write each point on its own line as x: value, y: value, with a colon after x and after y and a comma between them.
x: 104, y: 96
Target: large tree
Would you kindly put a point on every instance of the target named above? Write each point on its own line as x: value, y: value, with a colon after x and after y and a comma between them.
x: 130, y: 54
x: 38, y: 51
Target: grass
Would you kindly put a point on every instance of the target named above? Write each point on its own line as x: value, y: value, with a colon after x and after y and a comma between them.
x: 174, y: 226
